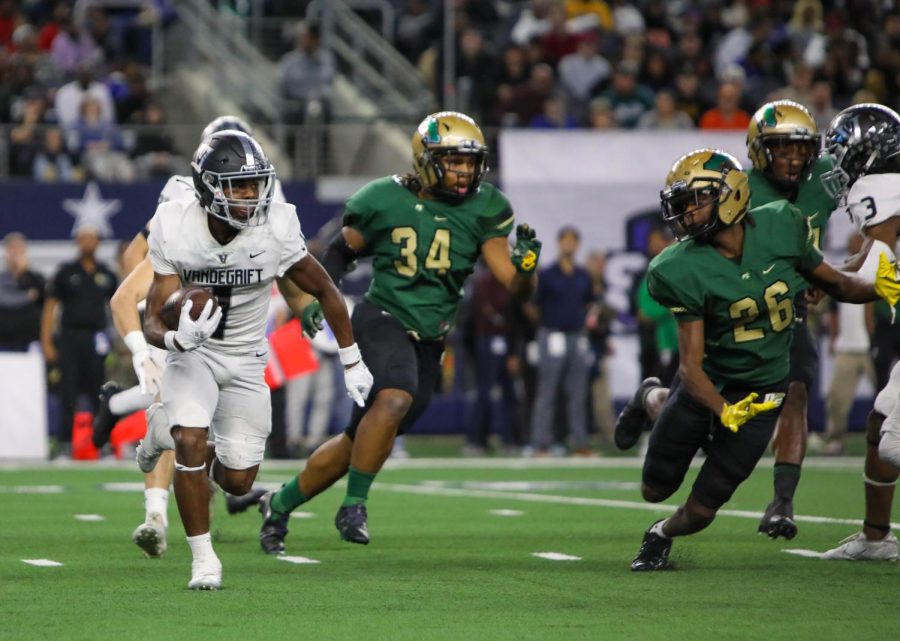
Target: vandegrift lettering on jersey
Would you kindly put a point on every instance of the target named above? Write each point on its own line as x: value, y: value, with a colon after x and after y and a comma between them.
x: 240, y: 272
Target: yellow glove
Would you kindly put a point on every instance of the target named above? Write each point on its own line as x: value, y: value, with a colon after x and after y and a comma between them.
x: 886, y: 284
x: 733, y: 416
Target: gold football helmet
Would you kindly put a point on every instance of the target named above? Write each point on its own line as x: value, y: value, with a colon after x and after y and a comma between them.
x: 780, y: 122
x: 443, y: 133
x: 697, y: 179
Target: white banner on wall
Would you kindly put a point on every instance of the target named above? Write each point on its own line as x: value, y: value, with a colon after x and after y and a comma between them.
x: 23, y: 399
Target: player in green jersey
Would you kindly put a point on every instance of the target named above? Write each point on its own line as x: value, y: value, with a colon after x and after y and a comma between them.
x: 730, y: 283
x: 783, y: 145
x: 425, y: 231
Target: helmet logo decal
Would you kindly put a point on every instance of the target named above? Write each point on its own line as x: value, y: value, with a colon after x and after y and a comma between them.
x: 769, y: 117
x: 717, y: 162
x: 432, y: 135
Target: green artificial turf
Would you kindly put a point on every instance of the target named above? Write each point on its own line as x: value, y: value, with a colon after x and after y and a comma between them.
x: 440, y: 565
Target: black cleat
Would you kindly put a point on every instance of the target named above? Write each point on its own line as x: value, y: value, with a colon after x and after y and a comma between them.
x: 237, y: 504
x: 351, y: 522
x: 274, y: 527
x: 654, y: 553
x: 779, y: 520
x: 631, y: 421
x: 105, y: 420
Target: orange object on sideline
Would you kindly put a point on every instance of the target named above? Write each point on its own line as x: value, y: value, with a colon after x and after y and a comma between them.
x: 290, y: 355
x: 82, y: 430
x: 130, y: 429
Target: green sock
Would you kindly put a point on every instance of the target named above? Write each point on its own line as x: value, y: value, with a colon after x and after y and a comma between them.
x: 358, y: 484
x: 288, y: 497
x: 787, y: 476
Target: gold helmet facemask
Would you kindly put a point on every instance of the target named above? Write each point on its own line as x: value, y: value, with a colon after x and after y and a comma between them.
x: 782, y: 122
x: 442, y: 134
x: 702, y: 177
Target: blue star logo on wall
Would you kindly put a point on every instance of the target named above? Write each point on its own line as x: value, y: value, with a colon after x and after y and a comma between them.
x: 92, y: 211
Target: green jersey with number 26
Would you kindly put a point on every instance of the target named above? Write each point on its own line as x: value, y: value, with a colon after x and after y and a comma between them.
x: 745, y: 302
x: 423, y: 249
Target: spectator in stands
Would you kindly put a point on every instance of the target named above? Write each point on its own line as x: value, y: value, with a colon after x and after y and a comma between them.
x: 306, y: 75
x: 564, y: 292
x: 154, y: 150
x: 656, y: 73
x: 130, y: 93
x: 25, y: 137
x: 850, y: 328
x: 74, y: 48
x: 53, y: 163
x: 627, y: 19
x: 69, y: 97
x: 665, y: 115
x: 727, y: 113
x: 800, y: 87
x: 657, y: 240
x: 601, y: 114
x: 583, y: 73
x: 21, y: 297
x: 687, y: 93
x: 10, y: 17
x: 82, y: 288
x: 411, y: 37
x: 599, y: 317
x: 585, y: 14
x: 495, y: 399
x: 100, y: 146
x: 805, y: 24
x: 629, y: 100
x: 692, y: 55
x: 533, y: 22
x: 475, y: 73
x: 553, y: 116
x: 820, y: 105
x: 557, y: 42
x: 518, y: 106
x: 62, y: 12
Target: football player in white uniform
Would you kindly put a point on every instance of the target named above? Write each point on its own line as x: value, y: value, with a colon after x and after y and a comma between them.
x: 149, y: 362
x: 236, y: 241
x: 864, y: 141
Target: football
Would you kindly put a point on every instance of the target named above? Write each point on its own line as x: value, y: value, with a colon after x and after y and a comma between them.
x: 171, y: 310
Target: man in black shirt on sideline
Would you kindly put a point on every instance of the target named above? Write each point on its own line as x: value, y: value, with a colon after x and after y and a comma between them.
x: 82, y: 288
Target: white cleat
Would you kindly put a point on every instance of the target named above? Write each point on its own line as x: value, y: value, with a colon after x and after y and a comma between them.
x: 858, y: 548
x: 156, y: 440
x: 150, y: 536
x: 206, y: 574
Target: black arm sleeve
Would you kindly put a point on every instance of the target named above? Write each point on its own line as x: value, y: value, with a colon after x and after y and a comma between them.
x: 337, y: 256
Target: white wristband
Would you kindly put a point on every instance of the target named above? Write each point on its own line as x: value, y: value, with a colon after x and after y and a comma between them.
x: 135, y: 342
x: 169, y: 340
x: 350, y: 355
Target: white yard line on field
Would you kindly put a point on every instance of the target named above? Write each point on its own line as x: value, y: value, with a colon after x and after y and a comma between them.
x: 42, y: 563
x: 556, y: 556
x: 591, y: 502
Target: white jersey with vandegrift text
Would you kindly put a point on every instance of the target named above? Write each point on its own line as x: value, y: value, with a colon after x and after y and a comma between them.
x: 182, y: 188
x: 240, y: 273
x: 874, y: 199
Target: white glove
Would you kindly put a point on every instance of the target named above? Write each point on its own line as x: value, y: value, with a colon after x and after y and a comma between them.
x: 357, y: 376
x: 148, y: 372
x: 191, y: 334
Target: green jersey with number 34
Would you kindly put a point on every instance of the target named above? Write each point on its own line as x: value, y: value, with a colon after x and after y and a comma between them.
x: 745, y: 302
x: 423, y: 249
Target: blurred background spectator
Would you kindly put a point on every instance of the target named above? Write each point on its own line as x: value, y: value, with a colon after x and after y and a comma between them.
x: 21, y: 297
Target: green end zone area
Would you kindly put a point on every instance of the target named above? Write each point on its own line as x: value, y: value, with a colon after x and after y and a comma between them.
x: 442, y: 564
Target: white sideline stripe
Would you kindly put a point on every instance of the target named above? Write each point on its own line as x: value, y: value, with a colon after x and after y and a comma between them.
x: 525, y: 486
x: 506, y: 512
x: 556, y: 556
x: 612, y: 462
x: 42, y: 563
x: 297, y: 560
x: 578, y: 500
x: 812, y: 554
x: 302, y: 515
x: 90, y: 517
x: 32, y: 489
x: 123, y: 487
